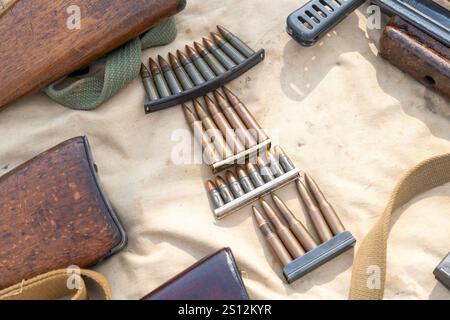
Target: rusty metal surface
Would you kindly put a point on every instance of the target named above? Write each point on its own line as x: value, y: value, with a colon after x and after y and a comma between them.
x: 418, y: 54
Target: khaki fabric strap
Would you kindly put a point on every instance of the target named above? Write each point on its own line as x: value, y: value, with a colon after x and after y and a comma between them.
x: 55, y: 285
x: 371, y: 255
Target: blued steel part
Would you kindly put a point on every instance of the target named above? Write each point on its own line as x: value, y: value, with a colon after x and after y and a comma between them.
x: 212, y: 62
x: 230, y: 51
x: 426, y: 15
x: 316, y: 18
x: 194, y: 74
x: 172, y: 81
x: 226, y: 193
x: 203, y: 67
x: 314, y: 213
x: 206, y: 87
x: 226, y: 61
x: 236, y: 42
x: 416, y: 53
x: 266, y: 173
x: 236, y: 188
x: 246, y: 183
x: 150, y: 88
x: 317, y: 257
x: 216, y: 198
x: 257, y: 193
x: 442, y: 272
x: 326, y: 208
x: 256, y: 178
x: 286, y: 163
x: 183, y: 77
x: 162, y: 86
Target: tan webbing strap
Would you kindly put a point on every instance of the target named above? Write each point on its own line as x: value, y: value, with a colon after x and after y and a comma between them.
x: 55, y: 285
x: 371, y: 256
x: 5, y: 5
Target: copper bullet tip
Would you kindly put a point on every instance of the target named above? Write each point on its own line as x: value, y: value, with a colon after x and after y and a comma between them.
x: 153, y: 65
x: 190, y: 51
x: 144, y: 71
x: 279, y: 151
x: 190, y: 115
x: 201, y: 112
x: 240, y: 171
x: 199, y: 47
x: 210, y: 186
x: 212, y: 106
x: 231, y: 96
x: 208, y: 43
x: 220, y: 182
x: 172, y: 59
x: 223, y: 31
x: 182, y: 55
x: 260, y: 220
x: 261, y: 162
x: 162, y: 62
x: 217, y: 38
x: 230, y: 177
x: 218, y: 95
x: 250, y: 166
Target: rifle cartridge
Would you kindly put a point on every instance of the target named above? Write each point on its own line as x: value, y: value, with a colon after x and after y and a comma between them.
x: 314, y: 213
x: 254, y: 175
x: 284, y: 160
x: 246, y: 116
x: 275, y: 166
x: 235, y: 121
x: 286, y: 236
x: 236, y: 42
x: 271, y: 237
x: 201, y: 65
x: 226, y: 193
x: 214, y: 194
x: 181, y: 74
x: 264, y: 169
x: 219, y: 54
x: 161, y: 84
x: 210, y: 59
x: 295, y: 225
x: 229, y: 50
x: 245, y: 181
x: 327, y: 209
x: 170, y: 76
x: 214, y: 134
x: 224, y: 127
x: 234, y: 185
x: 149, y: 85
x: 190, y: 68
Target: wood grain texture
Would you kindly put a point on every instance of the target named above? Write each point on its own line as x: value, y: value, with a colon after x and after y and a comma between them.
x: 53, y: 215
x: 37, y: 48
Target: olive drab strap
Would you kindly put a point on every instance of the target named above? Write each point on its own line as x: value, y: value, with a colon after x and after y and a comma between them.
x: 5, y: 5
x: 371, y: 255
x: 122, y: 66
x: 57, y: 284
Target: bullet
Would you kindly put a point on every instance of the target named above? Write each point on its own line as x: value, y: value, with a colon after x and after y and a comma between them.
x: 192, y: 71
x: 213, y: 132
x: 161, y: 84
x: 229, y: 50
x: 225, y: 192
x: 271, y: 237
x: 264, y: 169
x: 274, y: 165
x: 234, y: 185
x: 245, y: 181
x: 246, y: 116
x: 201, y: 65
x: 222, y: 123
x: 284, y: 160
x: 286, y: 236
x: 254, y: 175
x: 182, y: 76
x: 171, y: 79
x: 201, y: 136
x: 214, y: 194
x: 316, y: 217
x: 149, y: 85
x: 327, y: 209
x: 236, y: 42
x: 219, y: 54
x: 295, y: 225
x: 236, y: 122
x: 210, y: 59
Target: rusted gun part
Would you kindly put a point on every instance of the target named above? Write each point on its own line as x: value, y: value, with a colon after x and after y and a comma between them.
x: 418, y: 54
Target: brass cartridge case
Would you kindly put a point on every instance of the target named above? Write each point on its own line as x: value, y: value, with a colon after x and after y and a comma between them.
x: 149, y: 85
x: 169, y: 75
x: 161, y: 84
x: 230, y: 51
x: 201, y: 65
x: 210, y: 59
x: 181, y: 74
x: 190, y: 68
x: 214, y: 194
x: 286, y: 236
x: 236, y: 42
x: 219, y: 54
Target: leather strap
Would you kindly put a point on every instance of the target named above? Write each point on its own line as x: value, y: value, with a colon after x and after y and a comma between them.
x: 56, y: 285
x: 370, y: 260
